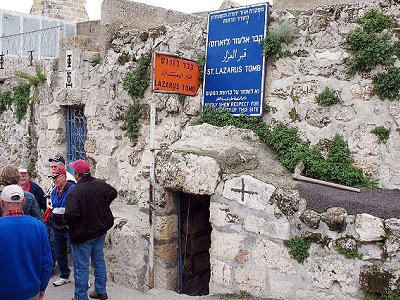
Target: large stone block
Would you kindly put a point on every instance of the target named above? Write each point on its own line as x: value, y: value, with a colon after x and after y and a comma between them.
x: 166, y: 253
x: 375, y: 279
x: 251, y: 279
x: 187, y: 172
x: 280, y: 289
x: 221, y: 272
x: 248, y: 191
x: 225, y: 245
x: 166, y: 277
x: 270, y: 255
x: 325, y: 270
x: 279, y: 229
x: 221, y: 215
x: 313, y: 295
x: 166, y: 228
x: 369, y: 228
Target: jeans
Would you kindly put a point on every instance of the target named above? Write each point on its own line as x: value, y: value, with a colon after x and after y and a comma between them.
x: 61, y: 242
x: 50, y: 234
x: 81, y: 255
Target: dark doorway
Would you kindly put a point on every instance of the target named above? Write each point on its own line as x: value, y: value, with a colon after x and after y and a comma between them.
x: 194, y: 244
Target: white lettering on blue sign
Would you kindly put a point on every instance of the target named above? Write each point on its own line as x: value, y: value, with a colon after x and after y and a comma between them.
x: 234, y: 70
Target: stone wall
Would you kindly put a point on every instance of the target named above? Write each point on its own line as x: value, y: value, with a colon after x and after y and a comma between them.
x: 308, y: 4
x: 294, y: 83
x: 257, y: 207
x: 130, y: 13
x: 71, y: 10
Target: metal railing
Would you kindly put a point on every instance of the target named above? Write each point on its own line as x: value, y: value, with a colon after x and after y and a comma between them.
x: 23, y: 51
x: 42, y: 43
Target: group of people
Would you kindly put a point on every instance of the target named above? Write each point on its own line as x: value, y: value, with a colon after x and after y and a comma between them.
x: 38, y: 229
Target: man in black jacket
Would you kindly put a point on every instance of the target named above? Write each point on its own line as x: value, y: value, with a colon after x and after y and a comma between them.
x: 89, y: 216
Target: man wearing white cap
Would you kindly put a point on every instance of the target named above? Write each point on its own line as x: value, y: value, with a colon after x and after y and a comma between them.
x: 25, y: 256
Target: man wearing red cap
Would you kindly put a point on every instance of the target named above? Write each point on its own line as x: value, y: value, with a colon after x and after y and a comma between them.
x: 57, y: 223
x: 89, y: 216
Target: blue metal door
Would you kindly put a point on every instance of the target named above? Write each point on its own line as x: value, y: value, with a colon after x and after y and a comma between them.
x: 76, y: 134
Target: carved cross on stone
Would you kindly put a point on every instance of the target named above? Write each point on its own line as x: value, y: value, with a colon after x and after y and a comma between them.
x: 243, y: 191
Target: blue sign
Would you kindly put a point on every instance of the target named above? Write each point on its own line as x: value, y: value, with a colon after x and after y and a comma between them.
x: 234, y: 71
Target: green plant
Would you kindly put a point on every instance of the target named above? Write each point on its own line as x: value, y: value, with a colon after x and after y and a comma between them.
x: 371, y: 47
x: 137, y: 81
x: 95, y: 60
x: 240, y: 295
x: 32, y: 170
x: 348, y: 254
x: 382, y: 133
x: 375, y: 21
x: 387, y: 84
x: 327, y: 98
x: 348, y: 247
x: 290, y: 149
x: 33, y: 80
x: 132, y: 122
x: 339, y: 151
x: 266, y: 107
x: 181, y: 98
x: 6, y: 99
x: 21, y: 100
x: 389, y: 295
x: 201, y: 60
x: 298, y: 248
x: 132, y: 201
x: 369, y: 50
x: 282, y: 33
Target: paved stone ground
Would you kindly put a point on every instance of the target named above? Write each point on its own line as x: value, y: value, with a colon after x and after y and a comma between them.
x: 116, y: 292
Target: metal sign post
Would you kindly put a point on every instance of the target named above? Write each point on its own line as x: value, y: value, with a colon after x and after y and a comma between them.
x: 151, y: 190
x: 170, y: 74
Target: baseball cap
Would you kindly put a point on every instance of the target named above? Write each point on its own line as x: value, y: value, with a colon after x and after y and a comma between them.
x: 57, y: 158
x: 80, y: 166
x: 23, y: 170
x: 12, y: 193
x: 57, y: 172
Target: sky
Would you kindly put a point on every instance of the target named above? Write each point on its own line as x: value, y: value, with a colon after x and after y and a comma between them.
x: 93, y: 7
